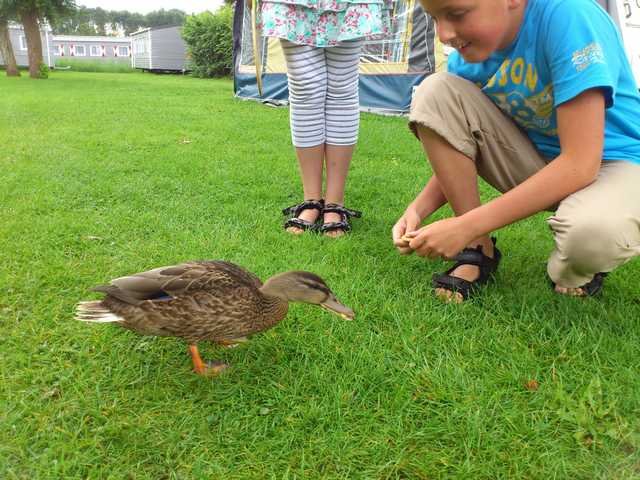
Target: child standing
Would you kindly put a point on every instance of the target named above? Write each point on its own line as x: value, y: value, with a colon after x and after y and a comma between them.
x: 541, y: 102
x: 322, y: 40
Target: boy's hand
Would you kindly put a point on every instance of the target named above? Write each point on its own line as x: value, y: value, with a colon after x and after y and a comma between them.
x: 444, y: 238
x: 408, y: 222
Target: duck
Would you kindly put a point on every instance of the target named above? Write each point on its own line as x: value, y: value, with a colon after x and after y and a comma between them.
x: 208, y: 300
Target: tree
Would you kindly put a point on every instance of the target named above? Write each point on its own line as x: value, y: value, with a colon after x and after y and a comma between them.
x: 100, y: 19
x: 130, y: 22
x: 31, y: 13
x: 209, y: 39
x: 96, y: 21
x: 6, y: 49
x: 161, y: 18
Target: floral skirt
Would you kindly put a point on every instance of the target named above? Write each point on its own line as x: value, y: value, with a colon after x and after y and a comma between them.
x: 325, y: 24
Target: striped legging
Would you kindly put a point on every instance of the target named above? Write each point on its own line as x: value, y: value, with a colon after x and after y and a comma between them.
x: 323, y: 93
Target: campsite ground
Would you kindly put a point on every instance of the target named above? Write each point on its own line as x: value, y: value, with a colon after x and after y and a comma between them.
x: 109, y: 174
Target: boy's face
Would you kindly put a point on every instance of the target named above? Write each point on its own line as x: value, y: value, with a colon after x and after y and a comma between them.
x: 476, y: 28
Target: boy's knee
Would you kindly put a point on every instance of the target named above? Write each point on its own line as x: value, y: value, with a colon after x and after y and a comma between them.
x: 433, y: 88
x: 587, y: 242
x: 436, y: 105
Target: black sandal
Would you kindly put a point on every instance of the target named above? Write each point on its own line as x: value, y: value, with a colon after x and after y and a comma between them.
x: 295, y: 210
x: 345, y: 215
x: 469, y: 256
x: 591, y: 288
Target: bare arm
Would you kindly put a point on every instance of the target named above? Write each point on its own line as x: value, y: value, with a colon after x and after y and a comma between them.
x: 429, y: 199
x: 426, y: 202
x: 581, y: 133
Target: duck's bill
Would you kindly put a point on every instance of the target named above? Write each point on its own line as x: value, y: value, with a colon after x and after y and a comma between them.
x: 339, y: 309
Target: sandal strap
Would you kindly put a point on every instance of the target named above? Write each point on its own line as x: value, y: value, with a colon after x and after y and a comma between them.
x: 474, y: 256
x: 336, y: 208
x: 454, y: 284
x: 296, y: 209
x: 331, y: 226
x: 299, y: 223
x: 592, y: 287
x: 345, y: 215
x: 469, y: 256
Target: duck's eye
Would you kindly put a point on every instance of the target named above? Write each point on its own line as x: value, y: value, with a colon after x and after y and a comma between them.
x: 321, y: 288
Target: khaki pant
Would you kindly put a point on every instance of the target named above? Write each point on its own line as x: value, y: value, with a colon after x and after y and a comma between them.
x: 595, y: 229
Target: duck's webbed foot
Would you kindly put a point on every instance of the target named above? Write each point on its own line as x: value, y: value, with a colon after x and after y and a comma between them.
x: 214, y: 368
x: 233, y: 343
x: 208, y: 369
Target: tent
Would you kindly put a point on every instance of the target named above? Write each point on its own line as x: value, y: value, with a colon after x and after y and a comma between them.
x: 626, y: 14
x: 389, y: 68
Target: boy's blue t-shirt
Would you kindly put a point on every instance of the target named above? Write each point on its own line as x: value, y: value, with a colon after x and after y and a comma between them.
x: 563, y: 48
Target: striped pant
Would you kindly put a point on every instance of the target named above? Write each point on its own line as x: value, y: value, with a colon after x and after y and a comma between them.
x: 323, y: 93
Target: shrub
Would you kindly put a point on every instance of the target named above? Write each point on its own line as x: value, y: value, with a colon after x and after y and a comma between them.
x: 210, y: 43
x: 110, y: 66
x: 43, y: 70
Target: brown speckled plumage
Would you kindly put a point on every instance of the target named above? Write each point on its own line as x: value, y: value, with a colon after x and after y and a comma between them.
x: 205, y: 301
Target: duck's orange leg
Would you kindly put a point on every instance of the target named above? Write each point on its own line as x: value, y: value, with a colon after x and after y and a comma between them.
x: 208, y: 369
x: 232, y: 343
x: 198, y: 364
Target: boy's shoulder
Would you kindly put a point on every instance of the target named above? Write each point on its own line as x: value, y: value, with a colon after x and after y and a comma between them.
x: 561, y: 10
x: 550, y: 5
x: 560, y: 20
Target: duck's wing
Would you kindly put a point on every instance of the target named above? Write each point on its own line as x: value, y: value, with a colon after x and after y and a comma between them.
x: 165, y: 283
x: 207, y: 274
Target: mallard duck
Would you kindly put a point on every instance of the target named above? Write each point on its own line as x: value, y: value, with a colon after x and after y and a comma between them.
x: 215, y: 301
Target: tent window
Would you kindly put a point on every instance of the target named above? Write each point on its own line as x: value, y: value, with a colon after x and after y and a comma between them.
x: 23, y: 42
x: 81, y: 51
x: 94, y: 50
x: 123, y: 51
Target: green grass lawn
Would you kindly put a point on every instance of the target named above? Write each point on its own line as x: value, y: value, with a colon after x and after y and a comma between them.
x: 108, y: 174
x: 104, y: 66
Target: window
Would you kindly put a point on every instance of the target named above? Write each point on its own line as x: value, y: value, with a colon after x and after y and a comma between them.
x: 95, y: 51
x: 58, y: 50
x: 81, y: 51
x: 139, y: 46
x: 123, y: 51
x: 23, y: 42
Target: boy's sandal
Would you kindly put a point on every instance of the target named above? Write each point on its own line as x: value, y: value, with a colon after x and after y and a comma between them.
x: 345, y: 215
x: 592, y: 287
x: 469, y: 256
x: 295, y: 210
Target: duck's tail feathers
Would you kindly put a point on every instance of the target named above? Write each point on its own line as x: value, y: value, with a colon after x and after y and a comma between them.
x: 95, y: 312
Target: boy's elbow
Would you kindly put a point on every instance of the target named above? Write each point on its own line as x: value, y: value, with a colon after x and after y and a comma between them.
x: 587, y: 172
x: 581, y: 171
x: 593, y: 167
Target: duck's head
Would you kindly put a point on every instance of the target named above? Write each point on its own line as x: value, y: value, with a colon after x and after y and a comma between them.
x: 306, y: 287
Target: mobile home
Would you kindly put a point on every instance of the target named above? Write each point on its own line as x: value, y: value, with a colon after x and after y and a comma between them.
x: 159, y: 49
x: 19, y: 44
x: 86, y: 48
